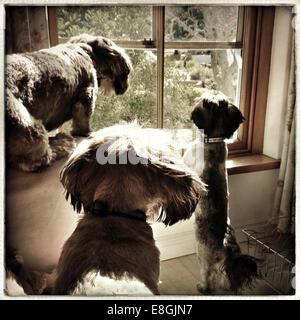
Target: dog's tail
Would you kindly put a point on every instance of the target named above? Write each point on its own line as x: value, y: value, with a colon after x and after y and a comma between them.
x: 241, y: 269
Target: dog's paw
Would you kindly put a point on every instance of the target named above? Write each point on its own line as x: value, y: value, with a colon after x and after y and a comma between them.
x: 62, y: 145
x: 203, y: 290
x: 36, y: 166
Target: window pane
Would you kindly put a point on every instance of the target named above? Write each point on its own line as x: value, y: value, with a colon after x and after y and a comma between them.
x: 190, y: 73
x: 138, y: 102
x: 201, y: 23
x: 116, y: 23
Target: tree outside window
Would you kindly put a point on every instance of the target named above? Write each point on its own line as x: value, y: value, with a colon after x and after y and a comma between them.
x: 187, y: 72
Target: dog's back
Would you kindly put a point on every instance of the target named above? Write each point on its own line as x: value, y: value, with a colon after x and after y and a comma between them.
x: 107, y: 250
x: 46, y: 81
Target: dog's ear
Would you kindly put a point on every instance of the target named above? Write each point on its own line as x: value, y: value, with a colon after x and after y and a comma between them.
x: 201, y: 114
x: 199, y: 118
x: 90, y: 40
x: 232, y: 120
x: 101, y: 42
x: 172, y: 181
x: 78, y: 177
x: 98, y: 47
x: 183, y: 195
x: 107, y: 53
x: 103, y: 47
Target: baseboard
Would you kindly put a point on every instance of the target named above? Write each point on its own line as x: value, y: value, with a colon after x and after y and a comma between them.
x: 174, y: 245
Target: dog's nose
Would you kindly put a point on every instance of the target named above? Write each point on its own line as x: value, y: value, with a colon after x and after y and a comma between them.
x: 120, y: 92
x: 121, y: 87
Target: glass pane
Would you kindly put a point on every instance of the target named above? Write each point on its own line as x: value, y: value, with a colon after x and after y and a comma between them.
x: 190, y: 73
x: 138, y: 102
x: 116, y: 23
x: 201, y: 23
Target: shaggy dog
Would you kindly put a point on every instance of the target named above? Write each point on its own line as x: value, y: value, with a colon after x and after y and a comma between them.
x: 222, y: 265
x: 123, y: 177
x: 46, y: 88
x: 20, y: 280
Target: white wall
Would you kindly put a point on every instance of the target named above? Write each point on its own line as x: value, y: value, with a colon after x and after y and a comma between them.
x: 251, y: 194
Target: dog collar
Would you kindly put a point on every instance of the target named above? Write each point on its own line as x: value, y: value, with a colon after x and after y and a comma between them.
x: 101, y: 209
x: 214, y: 140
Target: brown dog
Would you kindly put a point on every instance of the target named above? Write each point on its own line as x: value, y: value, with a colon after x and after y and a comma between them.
x: 123, y: 178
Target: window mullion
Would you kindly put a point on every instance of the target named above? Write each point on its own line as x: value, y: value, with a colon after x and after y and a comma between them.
x: 159, y: 18
x: 154, y: 23
x: 240, y: 25
x: 203, y: 45
x: 52, y: 25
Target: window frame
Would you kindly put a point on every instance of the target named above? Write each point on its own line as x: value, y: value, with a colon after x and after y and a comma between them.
x: 254, y: 38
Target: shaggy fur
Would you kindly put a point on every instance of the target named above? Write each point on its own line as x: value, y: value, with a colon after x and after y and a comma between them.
x: 222, y: 265
x: 113, y: 243
x: 46, y: 88
x: 19, y: 279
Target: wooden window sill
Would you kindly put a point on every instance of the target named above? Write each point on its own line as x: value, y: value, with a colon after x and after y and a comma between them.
x: 250, y: 163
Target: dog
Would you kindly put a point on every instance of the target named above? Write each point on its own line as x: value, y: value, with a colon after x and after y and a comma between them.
x: 46, y: 88
x: 222, y: 265
x: 20, y: 280
x: 123, y: 177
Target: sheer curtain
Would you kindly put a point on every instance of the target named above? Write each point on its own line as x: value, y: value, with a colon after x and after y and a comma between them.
x: 27, y: 29
x: 283, y: 214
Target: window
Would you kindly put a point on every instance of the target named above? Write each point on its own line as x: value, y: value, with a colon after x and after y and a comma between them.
x: 179, y: 52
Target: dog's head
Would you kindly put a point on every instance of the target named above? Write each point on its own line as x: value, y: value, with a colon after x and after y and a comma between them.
x: 152, y: 177
x: 216, y: 115
x: 111, y: 62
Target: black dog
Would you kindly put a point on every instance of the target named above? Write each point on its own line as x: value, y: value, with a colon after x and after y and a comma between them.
x: 49, y: 87
x: 222, y: 265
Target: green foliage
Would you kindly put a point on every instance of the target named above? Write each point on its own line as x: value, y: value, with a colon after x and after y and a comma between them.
x: 111, y: 22
x: 183, y: 81
x: 184, y: 23
x: 180, y: 91
x: 139, y: 102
